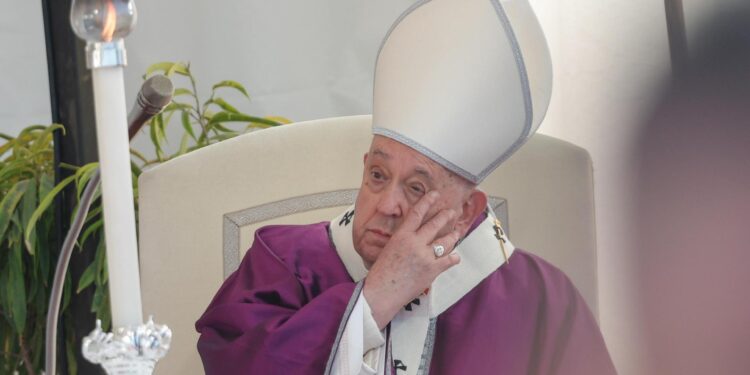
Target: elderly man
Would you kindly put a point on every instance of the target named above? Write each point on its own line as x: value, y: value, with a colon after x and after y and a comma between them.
x: 418, y: 277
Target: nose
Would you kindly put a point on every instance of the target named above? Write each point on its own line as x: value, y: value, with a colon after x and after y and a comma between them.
x: 392, y: 202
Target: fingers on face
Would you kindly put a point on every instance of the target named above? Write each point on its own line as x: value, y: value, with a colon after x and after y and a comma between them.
x: 418, y: 212
x: 431, y: 228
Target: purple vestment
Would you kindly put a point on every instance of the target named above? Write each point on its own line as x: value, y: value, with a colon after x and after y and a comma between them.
x: 279, y: 313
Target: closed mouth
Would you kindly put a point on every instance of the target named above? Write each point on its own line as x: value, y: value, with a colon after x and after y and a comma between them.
x: 380, y: 233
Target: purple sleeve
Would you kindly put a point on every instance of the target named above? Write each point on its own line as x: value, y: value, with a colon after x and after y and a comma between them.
x: 270, y: 319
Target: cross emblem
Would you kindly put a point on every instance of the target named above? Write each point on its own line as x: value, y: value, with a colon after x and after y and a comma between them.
x: 414, y: 301
x: 500, y: 235
x: 347, y: 218
x: 398, y: 365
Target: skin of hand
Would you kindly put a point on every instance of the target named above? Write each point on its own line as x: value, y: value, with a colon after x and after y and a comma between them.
x: 408, y: 203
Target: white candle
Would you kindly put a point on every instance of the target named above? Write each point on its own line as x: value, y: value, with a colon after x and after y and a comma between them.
x: 117, y: 197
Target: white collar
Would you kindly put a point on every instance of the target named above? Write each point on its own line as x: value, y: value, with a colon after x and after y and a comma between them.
x: 481, y: 254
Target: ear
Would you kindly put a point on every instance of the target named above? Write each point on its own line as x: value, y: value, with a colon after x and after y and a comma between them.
x: 364, y: 158
x: 472, y: 207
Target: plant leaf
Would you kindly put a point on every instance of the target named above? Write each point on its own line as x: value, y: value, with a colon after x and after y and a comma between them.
x: 135, y: 169
x: 46, y: 184
x: 9, y: 203
x: 93, y: 213
x: 70, y: 355
x: 68, y: 166
x: 223, y: 128
x: 83, y: 175
x: 16, y: 168
x: 187, y: 125
x: 93, y: 227
x: 240, y: 117
x: 86, y: 168
x: 155, y: 137
x: 67, y: 286
x: 279, y: 119
x: 162, y: 67
x: 16, y: 290
x: 168, y: 68
x: 28, y: 204
x: 7, y: 146
x: 37, y: 339
x: 178, y: 68
x: 223, y: 105
x: 183, y: 144
x: 138, y: 155
x: 87, y: 278
x: 232, y: 84
x: 181, y: 91
x: 160, y: 127
x: 31, y: 129
x: 33, y: 287
x: 173, y: 106
x: 224, y: 136
x: 44, y: 139
x: 96, y: 303
x: 105, y: 313
x: 43, y: 205
x: 43, y: 255
x: 100, y: 261
x: 3, y: 290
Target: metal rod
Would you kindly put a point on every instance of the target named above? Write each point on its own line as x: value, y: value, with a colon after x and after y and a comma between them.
x: 678, y: 47
x: 53, y: 310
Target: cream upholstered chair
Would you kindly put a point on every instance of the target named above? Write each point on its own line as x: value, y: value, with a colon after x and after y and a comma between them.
x: 199, y: 211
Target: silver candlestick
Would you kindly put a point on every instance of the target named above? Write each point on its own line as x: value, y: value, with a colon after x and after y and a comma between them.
x: 132, y: 351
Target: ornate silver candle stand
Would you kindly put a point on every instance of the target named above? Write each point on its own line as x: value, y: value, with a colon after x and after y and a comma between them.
x: 132, y: 351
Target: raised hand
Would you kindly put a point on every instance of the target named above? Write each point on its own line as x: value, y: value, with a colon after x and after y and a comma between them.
x: 407, y: 265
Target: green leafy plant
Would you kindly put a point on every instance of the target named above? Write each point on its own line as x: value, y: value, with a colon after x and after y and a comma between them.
x: 27, y: 195
x: 27, y: 253
x: 203, y: 121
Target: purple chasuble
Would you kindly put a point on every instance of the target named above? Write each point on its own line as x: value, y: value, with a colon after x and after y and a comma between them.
x: 280, y: 313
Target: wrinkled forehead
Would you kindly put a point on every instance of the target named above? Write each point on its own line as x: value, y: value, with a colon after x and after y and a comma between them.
x: 400, y: 155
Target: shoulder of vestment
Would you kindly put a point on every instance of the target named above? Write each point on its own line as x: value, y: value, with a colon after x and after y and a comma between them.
x: 526, y: 275
x: 298, y: 247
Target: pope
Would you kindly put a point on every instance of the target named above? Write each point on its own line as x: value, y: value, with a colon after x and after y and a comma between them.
x: 418, y: 277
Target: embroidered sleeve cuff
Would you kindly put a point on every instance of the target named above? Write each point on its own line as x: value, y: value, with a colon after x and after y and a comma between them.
x: 372, y: 335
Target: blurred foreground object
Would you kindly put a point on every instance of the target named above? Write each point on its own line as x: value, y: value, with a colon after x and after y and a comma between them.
x: 694, y: 208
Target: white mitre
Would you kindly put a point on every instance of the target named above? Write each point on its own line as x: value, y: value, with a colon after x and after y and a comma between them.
x: 464, y: 82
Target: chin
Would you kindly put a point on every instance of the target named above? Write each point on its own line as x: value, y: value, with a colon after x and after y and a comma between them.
x: 368, y: 253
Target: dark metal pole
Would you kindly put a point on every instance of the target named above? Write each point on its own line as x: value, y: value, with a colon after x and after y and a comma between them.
x: 678, y: 48
x: 72, y: 104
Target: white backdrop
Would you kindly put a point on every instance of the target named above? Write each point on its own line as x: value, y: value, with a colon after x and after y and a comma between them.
x: 307, y: 60
x: 24, y: 85
x: 299, y: 59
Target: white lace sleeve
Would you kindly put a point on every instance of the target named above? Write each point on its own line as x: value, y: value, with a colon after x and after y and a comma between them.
x: 360, y: 349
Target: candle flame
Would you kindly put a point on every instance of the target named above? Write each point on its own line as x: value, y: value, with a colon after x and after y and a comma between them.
x: 110, y: 22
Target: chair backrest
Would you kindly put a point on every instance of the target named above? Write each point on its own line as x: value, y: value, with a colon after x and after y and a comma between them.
x: 198, y: 212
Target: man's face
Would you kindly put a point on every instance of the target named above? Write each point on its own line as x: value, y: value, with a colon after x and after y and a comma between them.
x: 395, y: 177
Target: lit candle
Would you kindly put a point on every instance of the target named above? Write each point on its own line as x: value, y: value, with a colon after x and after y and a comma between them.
x: 103, y: 24
x: 117, y: 197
